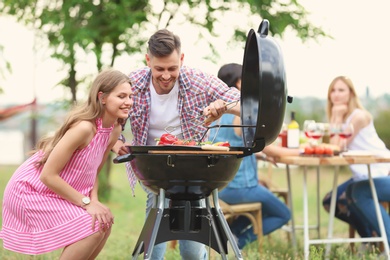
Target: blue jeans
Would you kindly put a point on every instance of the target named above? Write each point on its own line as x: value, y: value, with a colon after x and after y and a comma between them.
x: 274, y: 212
x: 190, y: 250
x: 359, y: 196
x: 345, y: 212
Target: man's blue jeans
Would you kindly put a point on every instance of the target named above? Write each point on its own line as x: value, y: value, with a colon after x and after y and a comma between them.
x: 359, y: 196
x: 190, y: 250
x: 274, y: 212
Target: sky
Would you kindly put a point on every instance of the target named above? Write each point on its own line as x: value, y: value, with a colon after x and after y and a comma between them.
x: 360, y: 49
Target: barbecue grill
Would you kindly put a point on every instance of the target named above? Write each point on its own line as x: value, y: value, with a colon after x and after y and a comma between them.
x: 190, y: 176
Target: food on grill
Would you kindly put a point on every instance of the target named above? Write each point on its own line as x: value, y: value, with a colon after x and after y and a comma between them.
x: 169, y: 139
x: 226, y: 144
x: 215, y: 147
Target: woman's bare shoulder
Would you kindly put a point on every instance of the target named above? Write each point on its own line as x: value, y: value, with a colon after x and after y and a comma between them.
x: 84, y: 125
x: 83, y: 128
x: 361, y: 117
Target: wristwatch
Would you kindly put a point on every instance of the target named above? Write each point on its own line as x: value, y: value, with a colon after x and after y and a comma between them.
x: 86, y: 201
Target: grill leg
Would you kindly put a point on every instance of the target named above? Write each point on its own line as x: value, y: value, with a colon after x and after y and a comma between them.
x: 157, y: 229
x: 216, y: 233
x: 225, y: 225
x: 149, y: 235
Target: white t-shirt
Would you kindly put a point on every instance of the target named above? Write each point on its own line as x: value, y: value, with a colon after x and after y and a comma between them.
x: 164, y: 112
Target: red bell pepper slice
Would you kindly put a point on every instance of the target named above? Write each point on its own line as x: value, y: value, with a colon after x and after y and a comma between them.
x: 167, y: 139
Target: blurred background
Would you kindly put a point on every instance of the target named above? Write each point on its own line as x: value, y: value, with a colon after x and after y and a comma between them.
x: 50, y: 52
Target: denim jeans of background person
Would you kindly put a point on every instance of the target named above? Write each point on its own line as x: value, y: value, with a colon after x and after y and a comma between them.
x: 166, y: 93
x: 360, y: 198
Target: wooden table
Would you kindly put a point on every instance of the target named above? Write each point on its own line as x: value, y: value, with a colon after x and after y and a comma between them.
x: 335, y: 161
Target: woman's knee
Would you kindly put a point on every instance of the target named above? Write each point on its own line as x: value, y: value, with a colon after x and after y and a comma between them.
x: 107, y: 233
x: 99, y: 236
x: 358, y: 190
x: 287, y: 216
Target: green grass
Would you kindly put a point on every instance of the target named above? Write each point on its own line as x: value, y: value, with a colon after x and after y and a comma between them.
x: 129, y: 214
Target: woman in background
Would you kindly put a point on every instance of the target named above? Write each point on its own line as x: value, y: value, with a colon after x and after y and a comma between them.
x: 343, y: 108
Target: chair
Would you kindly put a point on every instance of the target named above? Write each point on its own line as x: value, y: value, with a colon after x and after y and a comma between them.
x: 269, y: 184
x: 352, y: 230
x: 250, y: 210
x: 282, y: 193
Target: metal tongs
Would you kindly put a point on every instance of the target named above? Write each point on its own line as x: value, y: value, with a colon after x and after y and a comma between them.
x: 170, y: 129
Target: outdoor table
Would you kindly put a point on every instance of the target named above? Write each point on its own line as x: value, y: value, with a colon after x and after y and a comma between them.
x: 336, y: 161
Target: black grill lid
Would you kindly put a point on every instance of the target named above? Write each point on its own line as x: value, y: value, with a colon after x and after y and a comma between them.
x: 263, y: 89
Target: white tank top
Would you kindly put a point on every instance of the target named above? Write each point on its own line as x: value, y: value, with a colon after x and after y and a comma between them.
x: 164, y: 112
x: 367, y: 139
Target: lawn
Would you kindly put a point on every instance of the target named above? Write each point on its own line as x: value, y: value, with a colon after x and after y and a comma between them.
x: 129, y: 214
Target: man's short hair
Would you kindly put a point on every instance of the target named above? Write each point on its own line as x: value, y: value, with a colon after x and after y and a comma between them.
x: 162, y: 43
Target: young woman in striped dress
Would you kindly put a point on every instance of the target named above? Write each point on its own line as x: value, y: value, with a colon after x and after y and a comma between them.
x: 51, y: 200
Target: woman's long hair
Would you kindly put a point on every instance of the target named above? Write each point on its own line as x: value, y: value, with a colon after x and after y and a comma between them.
x: 105, y: 82
x: 353, y: 102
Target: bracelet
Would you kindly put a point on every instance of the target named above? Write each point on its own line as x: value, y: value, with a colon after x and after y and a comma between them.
x: 122, y: 138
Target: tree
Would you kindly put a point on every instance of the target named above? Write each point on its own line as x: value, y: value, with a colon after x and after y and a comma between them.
x: 381, y: 121
x: 5, y: 66
x: 77, y: 26
x: 106, y: 29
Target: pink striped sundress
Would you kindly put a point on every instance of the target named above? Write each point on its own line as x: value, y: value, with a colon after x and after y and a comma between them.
x: 37, y: 220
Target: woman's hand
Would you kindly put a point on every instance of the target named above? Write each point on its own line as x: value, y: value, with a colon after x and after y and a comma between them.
x: 100, y: 213
x: 338, y: 113
x: 120, y: 148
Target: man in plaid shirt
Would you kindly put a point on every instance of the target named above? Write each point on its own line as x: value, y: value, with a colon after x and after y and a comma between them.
x: 168, y: 94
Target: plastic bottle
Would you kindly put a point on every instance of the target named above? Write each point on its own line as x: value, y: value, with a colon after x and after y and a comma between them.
x: 293, y: 132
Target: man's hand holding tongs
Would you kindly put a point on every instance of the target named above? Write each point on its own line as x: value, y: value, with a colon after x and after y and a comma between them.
x: 217, y: 108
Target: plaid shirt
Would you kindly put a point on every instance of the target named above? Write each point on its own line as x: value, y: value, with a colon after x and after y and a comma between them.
x: 196, y: 91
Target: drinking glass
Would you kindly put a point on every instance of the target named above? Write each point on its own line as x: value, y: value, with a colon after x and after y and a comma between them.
x: 314, y: 131
x: 334, y: 129
x: 309, y: 127
x: 318, y: 132
x: 345, y: 133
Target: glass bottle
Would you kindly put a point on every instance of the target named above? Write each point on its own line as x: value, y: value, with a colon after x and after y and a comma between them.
x: 293, y: 132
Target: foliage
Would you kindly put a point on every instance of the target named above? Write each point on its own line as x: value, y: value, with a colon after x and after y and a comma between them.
x: 104, y: 191
x: 5, y: 66
x: 313, y: 108
x: 381, y: 121
x: 107, y: 29
x: 283, y: 15
x: 74, y: 27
